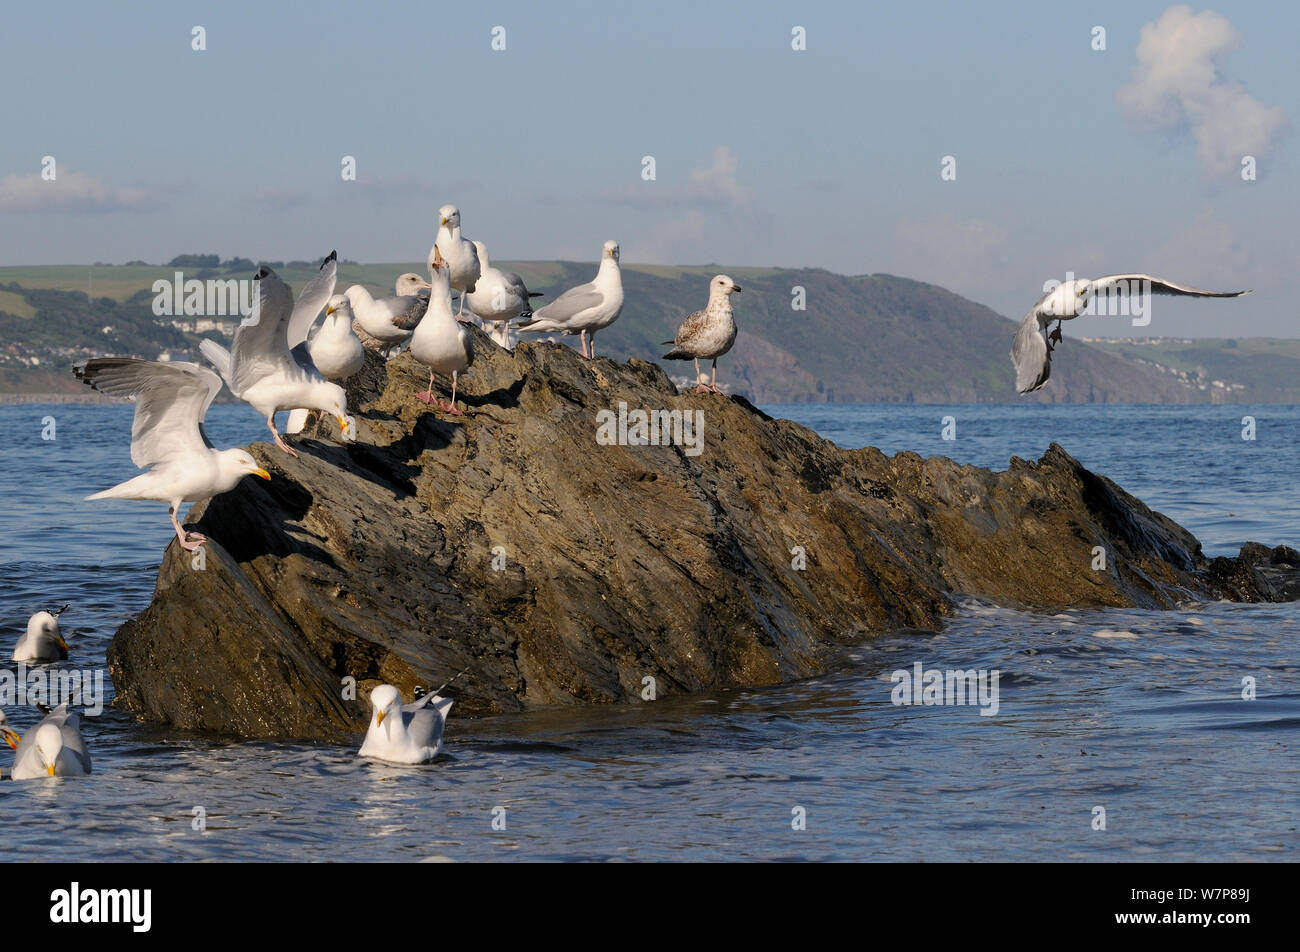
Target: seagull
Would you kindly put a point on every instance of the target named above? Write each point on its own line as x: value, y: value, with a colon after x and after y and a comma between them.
x: 462, y: 259
x: 8, y: 734
x: 42, y: 642
x: 439, y: 342
x: 405, y: 733
x: 261, y: 370
x: 499, y: 297
x: 708, y: 333
x: 1031, y: 352
x: 53, y: 748
x: 588, y: 307
x: 334, y: 349
x: 167, y: 435
x: 387, y: 323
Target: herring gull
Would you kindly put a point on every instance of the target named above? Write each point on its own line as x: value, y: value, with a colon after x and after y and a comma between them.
x: 458, y: 252
x: 499, y: 297
x: 405, y: 733
x: 708, y: 333
x: 53, y: 748
x: 42, y: 642
x: 387, y: 323
x: 588, y: 307
x: 440, y: 342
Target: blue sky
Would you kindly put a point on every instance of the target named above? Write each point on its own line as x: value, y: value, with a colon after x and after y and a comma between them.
x: 1067, y: 159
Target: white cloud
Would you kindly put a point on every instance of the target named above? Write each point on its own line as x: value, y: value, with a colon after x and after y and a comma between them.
x: 1177, y: 85
x: 70, y: 193
x: 715, y: 185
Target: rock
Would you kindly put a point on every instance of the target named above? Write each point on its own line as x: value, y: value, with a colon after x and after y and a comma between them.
x: 614, y: 564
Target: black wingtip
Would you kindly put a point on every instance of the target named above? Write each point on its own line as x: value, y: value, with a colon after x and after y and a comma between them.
x: 262, y: 273
x: 332, y: 256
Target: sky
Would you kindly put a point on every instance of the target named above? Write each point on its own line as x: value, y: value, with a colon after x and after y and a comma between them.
x: 1068, y: 159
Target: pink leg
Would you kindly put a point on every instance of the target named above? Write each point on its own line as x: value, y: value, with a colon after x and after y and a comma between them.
x: 279, y: 441
x: 189, y: 540
x: 592, y: 345
x: 427, y: 397
x: 451, y: 407
x: 699, y: 387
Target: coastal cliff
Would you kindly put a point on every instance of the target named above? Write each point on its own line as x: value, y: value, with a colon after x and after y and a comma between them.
x: 527, y: 544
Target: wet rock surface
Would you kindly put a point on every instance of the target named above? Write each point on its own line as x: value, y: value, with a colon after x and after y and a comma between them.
x: 552, y: 569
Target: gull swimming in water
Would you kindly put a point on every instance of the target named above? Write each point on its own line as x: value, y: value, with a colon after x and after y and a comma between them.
x: 42, y: 641
x: 1031, y: 352
x: 387, y: 323
x: 405, y: 733
x: 171, y: 400
x: 53, y: 748
x: 459, y: 253
x: 708, y: 333
x: 440, y: 342
x: 588, y: 307
x: 262, y: 370
x: 499, y: 297
x: 8, y: 734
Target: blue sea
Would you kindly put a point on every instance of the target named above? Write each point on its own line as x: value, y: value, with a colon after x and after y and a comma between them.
x: 1118, y: 735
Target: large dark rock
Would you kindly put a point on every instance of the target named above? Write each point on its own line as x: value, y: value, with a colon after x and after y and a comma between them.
x: 375, y: 560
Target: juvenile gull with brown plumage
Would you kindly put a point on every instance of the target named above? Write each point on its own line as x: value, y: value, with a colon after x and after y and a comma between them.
x: 708, y: 333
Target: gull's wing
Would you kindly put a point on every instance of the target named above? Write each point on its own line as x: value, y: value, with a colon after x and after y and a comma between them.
x: 70, y: 729
x: 1126, y: 282
x: 315, y: 295
x: 569, y: 304
x: 1029, y: 354
x: 692, y: 326
x: 425, y: 719
x: 407, y: 309
x: 261, y: 346
x: 171, y: 400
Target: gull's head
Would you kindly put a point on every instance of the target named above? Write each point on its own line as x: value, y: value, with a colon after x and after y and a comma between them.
x: 610, y: 250
x: 335, y: 403
x: 1069, y: 298
x: 49, y: 744
x: 340, y: 304
x: 384, y: 700
x: 409, y: 284
x: 44, y: 627
x: 8, y: 733
x: 449, y: 216
x: 723, y: 284
x: 244, y: 464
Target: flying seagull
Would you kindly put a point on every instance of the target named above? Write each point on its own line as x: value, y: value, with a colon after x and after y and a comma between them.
x: 588, y: 307
x: 405, y: 733
x: 262, y: 370
x: 167, y: 436
x: 53, y: 748
x: 43, y: 641
x: 1031, y: 352
x: 708, y: 333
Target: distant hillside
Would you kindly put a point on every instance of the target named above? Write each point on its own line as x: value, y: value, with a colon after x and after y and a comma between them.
x: 872, y: 338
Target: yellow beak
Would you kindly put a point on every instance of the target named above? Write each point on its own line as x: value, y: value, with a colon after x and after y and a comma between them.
x: 379, y: 718
x: 12, y: 739
x: 50, y: 769
x: 261, y: 472
x: 329, y: 311
x: 343, y: 424
x: 61, y: 643
x: 446, y: 221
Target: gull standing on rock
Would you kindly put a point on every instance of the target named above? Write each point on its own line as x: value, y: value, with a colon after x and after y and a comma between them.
x: 42, y: 642
x: 262, y: 370
x: 53, y: 748
x: 708, y: 333
x: 440, y: 342
x: 462, y: 259
x: 1031, y: 351
x: 167, y: 435
x: 335, y: 350
x: 499, y: 297
x: 405, y: 733
x: 588, y: 307
x: 386, y: 324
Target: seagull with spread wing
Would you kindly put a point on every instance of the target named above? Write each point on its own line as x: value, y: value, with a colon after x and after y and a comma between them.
x: 264, y: 370
x: 1031, y: 352
x: 171, y: 400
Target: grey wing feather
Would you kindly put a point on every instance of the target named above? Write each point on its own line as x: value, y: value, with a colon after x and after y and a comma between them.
x: 426, y: 718
x: 1123, y: 282
x: 261, y: 342
x: 407, y: 309
x: 315, y: 295
x: 567, y: 305
x: 1029, y: 354
x: 171, y: 401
